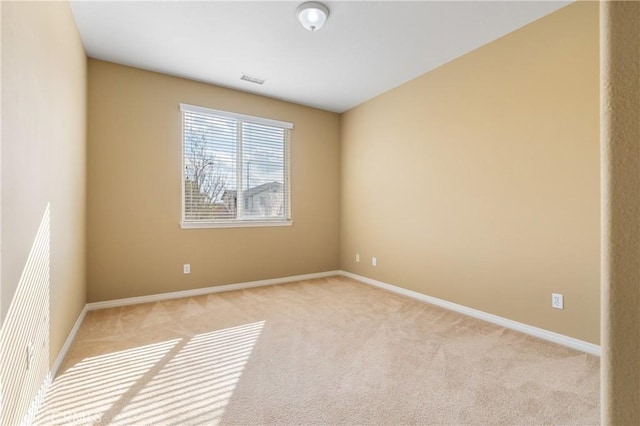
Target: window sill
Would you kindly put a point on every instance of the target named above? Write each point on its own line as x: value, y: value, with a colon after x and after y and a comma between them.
x: 235, y: 224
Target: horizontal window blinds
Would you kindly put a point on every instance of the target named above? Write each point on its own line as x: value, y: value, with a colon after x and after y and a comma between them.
x: 235, y: 167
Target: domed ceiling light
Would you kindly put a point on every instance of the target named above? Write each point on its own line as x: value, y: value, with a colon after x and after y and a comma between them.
x: 312, y: 15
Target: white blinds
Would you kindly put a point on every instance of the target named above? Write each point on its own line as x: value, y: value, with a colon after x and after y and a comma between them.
x: 236, y: 167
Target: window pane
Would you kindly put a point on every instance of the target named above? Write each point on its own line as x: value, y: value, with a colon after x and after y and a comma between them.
x: 210, y: 162
x: 263, y: 170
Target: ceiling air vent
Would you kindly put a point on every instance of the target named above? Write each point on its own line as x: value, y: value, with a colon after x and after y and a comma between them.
x: 251, y: 79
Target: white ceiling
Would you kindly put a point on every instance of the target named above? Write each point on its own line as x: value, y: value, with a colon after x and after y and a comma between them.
x: 365, y: 49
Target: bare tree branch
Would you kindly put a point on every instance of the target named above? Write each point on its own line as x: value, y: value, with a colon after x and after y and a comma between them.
x: 205, y: 182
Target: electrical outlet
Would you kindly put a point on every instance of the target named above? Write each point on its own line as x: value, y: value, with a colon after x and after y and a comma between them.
x: 30, y: 353
x: 357, y: 258
x: 186, y: 268
x: 557, y: 301
x: 374, y: 261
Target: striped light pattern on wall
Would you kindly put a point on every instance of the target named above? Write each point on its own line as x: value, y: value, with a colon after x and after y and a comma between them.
x: 24, y: 339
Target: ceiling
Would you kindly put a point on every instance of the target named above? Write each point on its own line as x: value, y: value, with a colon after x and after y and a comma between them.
x: 365, y: 48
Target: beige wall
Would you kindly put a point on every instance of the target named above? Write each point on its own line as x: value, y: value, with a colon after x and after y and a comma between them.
x: 478, y: 182
x: 135, y: 244
x: 43, y: 183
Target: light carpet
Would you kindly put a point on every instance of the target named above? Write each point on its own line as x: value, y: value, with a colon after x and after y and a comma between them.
x: 328, y: 351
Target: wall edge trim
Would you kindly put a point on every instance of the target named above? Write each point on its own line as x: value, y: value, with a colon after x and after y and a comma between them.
x: 206, y: 290
x: 561, y: 339
x: 36, y: 403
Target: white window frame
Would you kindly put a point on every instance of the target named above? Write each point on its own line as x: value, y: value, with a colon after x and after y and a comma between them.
x: 244, y: 222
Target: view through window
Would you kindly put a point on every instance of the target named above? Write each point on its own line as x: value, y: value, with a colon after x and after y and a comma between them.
x: 235, y: 169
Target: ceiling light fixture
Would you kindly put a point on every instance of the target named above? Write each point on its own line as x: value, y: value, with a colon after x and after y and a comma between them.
x: 312, y: 15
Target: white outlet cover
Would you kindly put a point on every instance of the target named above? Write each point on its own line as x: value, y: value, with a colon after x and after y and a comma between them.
x: 374, y: 261
x: 186, y: 268
x: 30, y: 354
x: 557, y: 301
x: 357, y: 258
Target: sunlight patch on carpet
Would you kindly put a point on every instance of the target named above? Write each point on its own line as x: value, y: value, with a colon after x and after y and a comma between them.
x: 175, y: 381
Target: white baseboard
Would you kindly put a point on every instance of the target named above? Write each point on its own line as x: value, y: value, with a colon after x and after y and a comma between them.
x: 560, y: 339
x: 570, y: 342
x: 67, y: 343
x: 206, y: 290
x: 551, y: 336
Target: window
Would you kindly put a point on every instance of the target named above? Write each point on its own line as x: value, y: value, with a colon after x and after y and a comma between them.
x: 235, y: 169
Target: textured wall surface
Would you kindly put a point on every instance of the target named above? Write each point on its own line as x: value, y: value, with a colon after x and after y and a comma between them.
x: 136, y: 246
x: 478, y: 182
x: 43, y: 192
x: 620, y: 112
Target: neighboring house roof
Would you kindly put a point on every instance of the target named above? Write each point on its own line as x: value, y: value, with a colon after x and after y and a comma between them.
x: 265, y: 187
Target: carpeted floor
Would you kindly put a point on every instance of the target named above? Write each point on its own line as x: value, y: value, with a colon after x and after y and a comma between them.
x: 329, y: 351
